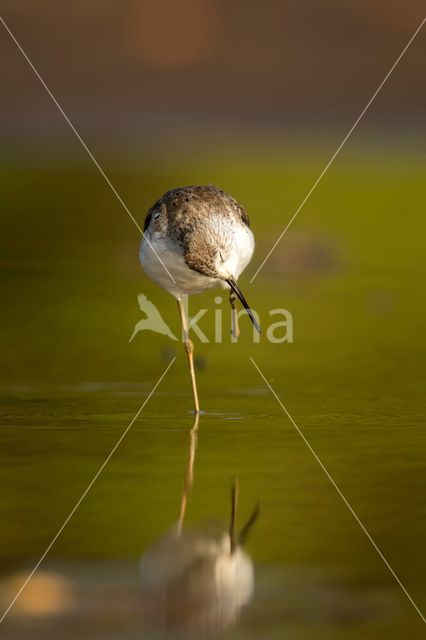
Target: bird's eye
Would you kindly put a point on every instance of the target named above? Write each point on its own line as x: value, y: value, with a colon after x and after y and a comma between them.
x: 155, y: 215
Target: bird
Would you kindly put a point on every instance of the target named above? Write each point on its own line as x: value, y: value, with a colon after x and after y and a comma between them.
x: 196, y: 238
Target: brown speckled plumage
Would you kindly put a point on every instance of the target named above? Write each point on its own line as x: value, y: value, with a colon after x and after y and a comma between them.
x: 195, y: 218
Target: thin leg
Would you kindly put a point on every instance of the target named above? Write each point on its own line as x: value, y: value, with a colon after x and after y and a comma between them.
x: 189, y: 348
x: 189, y: 474
x: 232, y: 525
x: 235, y: 329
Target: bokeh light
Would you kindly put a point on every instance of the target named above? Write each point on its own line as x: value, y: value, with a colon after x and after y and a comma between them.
x: 166, y: 33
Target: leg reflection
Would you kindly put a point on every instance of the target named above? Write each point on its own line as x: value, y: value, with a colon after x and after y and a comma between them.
x: 193, y: 581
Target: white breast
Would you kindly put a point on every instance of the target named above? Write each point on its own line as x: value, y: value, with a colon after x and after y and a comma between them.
x: 238, y: 251
x: 163, y: 260
x: 160, y: 254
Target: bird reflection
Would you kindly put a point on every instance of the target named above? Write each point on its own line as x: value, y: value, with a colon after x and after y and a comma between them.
x: 197, y: 582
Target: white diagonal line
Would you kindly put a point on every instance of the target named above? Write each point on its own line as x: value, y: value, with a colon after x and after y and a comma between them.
x: 339, y: 491
x: 90, y: 154
x: 86, y: 491
x: 347, y: 136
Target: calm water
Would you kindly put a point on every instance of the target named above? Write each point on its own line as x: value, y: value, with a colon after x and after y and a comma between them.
x: 353, y: 381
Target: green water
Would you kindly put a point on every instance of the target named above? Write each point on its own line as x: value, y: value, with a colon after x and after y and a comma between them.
x: 351, y: 272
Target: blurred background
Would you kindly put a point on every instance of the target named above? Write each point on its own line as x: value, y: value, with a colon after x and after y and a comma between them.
x: 254, y: 97
x: 139, y: 71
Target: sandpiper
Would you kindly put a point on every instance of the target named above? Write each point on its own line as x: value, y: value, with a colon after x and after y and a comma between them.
x: 196, y: 238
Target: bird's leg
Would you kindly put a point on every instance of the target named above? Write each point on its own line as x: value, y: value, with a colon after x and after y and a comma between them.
x: 235, y: 329
x: 189, y: 348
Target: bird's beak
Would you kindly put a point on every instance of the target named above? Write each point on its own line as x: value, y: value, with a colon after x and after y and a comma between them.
x: 248, y: 525
x: 236, y: 289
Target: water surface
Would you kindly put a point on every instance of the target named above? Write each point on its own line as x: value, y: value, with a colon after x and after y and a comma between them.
x: 353, y: 380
